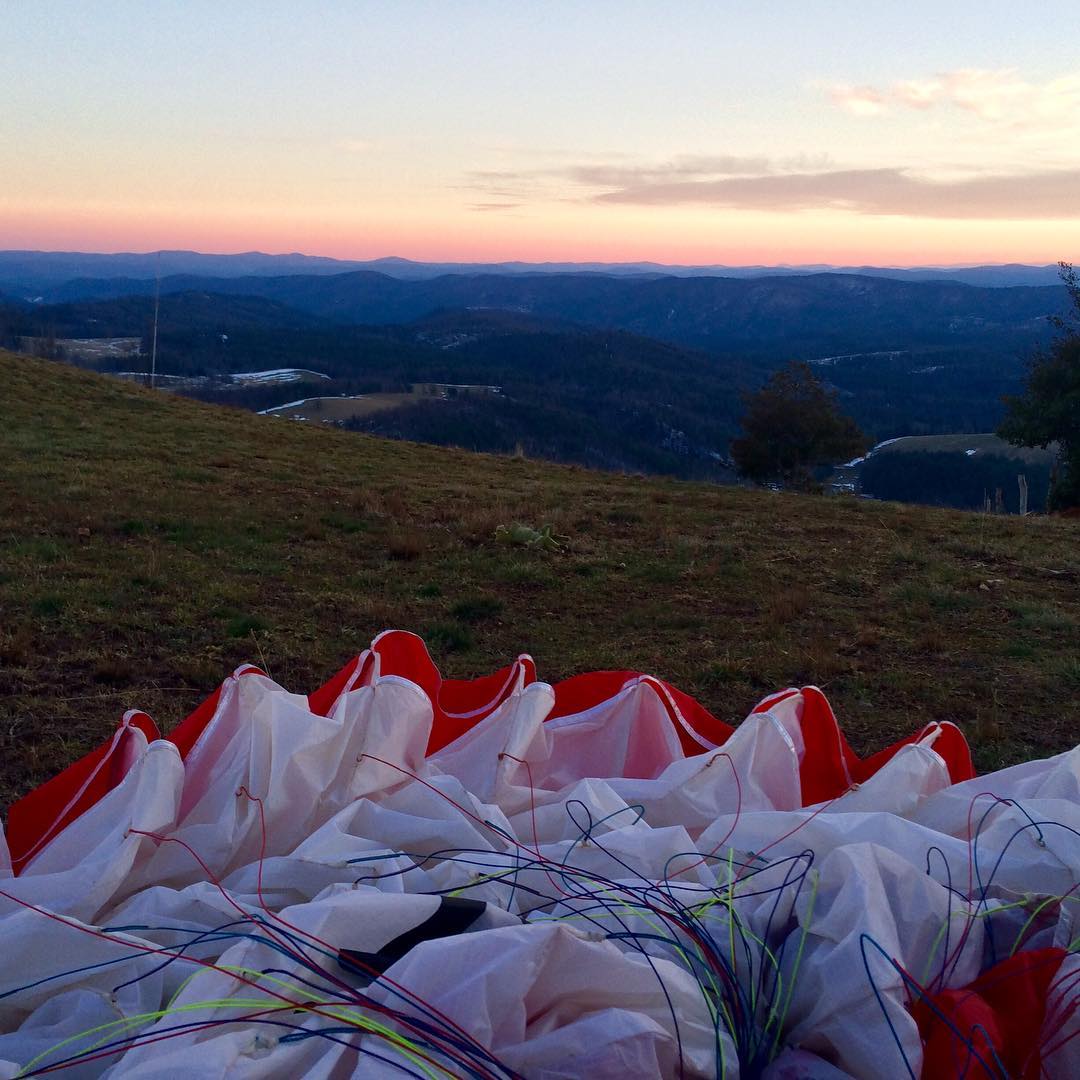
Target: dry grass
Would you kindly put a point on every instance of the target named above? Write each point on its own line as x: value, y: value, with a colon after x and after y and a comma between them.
x: 405, y: 544
x: 317, y: 410
x: 149, y: 545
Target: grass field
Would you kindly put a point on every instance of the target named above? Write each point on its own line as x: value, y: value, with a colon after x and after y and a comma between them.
x: 982, y: 444
x: 100, y: 348
x: 315, y: 410
x: 150, y: 544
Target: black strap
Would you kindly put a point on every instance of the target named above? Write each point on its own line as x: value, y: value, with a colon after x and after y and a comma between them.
x: 454, y: 915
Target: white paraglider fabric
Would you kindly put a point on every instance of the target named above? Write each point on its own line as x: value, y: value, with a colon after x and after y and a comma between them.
x: 616, y: 909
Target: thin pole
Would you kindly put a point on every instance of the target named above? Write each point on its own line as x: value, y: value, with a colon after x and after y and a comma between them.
x: 157, y: 305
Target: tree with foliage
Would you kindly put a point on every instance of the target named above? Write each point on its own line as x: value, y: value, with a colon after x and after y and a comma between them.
x: 1049, y: 411
x: 793, y: 425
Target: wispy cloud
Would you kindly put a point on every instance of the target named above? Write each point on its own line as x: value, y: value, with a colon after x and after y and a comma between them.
x: 687, y: 167
x: 859, y: 100
x: 1044, y: 195
x: 789, y: 185
x: 1001, y: 95
x: 585, y: 178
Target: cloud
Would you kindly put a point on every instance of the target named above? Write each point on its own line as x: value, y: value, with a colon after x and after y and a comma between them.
x: 555, y: 181
x: 1001, y: 96
x: 530, y: 150
x: 1044, y: 195
x: 681, y: 168
x: 688, y: 166
x: 789, y: 185
x: 859, y: 100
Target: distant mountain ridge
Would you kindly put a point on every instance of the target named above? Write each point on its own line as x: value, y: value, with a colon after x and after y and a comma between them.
x: 907, y: 359
x: 36, y: 272
x: 806, y: 315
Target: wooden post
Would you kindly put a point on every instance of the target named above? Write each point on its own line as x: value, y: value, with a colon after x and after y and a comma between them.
x: 1022, y: 482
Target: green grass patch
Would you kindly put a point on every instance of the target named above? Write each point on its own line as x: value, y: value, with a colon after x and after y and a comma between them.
x: 624, y: 515
x: 185, y: 533
x: 37, y: 549
x: 49, y: 606
x: 183, y: 475
x: 723, y: 672
x: 525, y: 575
x: 1040, y: 616
x: 1019, y: 650
x: 939, y: 598
x: 1069, y: 673
x: 473, y: 609
x: 909, y: 558
x: 448, y: 637
x: 344, y: 523
x: 242, y: 626
x: 658, y: 573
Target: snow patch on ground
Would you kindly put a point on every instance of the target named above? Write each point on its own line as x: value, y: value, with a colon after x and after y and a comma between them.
x: 303, y: 401
x: 887, y: 442
x: 287, y: 405
x: 157, y: 378
x: 828, y: 361
x: 276, y: 375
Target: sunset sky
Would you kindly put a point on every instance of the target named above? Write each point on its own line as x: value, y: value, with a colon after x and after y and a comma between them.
x: 690, y: 132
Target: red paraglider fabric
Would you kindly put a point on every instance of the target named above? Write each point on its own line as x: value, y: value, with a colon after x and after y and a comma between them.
x: 828, y: 766
x: 993, y: 1026
x: 39, y: 816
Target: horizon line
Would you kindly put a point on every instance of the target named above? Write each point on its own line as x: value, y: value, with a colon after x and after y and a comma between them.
x: 528, y: 262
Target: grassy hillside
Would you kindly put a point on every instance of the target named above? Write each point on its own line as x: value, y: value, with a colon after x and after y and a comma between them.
x: 572, y: 394
x: 958, y: 471
x: 982, y: 444
x: 148, y: 545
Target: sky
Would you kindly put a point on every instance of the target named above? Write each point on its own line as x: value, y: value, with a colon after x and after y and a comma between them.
x: 914, y: 133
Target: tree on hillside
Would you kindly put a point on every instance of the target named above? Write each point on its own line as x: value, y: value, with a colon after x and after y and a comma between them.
x: 1049, y: 411
x: 792, y: 425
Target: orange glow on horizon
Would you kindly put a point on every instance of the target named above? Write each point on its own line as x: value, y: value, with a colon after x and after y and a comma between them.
x: 540, y: 235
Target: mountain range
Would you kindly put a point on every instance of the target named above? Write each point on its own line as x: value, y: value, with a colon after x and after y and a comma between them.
x: 30, y: 274
x: 635, y: 371
x: 803, y: 315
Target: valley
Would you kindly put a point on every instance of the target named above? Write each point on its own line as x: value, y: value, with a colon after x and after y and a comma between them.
x: 643, y: 374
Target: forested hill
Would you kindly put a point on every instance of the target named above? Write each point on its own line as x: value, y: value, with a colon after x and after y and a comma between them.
x: 644, y: 374
x: 574, y: 392
x: 569, y: 393
x: 807, y: 315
